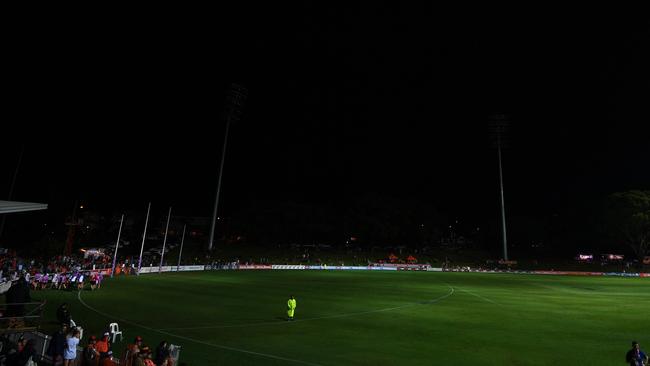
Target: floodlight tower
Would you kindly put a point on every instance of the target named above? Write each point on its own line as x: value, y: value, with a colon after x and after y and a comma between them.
x: 498, y: 127
x: 11, y: 187
x: 234, y: 105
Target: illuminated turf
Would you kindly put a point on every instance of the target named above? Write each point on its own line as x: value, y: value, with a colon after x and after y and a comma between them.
x: 379, y: 318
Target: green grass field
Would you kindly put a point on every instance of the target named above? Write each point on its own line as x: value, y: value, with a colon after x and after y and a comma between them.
x: 372, y: 318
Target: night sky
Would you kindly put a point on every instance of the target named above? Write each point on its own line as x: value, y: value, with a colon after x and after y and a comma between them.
x: 341, y: 102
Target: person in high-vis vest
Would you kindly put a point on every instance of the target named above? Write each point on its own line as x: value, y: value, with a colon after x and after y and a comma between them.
x: 291, y: 307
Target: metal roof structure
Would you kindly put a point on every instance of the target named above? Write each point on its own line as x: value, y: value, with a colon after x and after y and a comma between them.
x: 13, y: 206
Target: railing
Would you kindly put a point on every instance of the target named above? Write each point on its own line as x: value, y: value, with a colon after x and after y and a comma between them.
x: 21, y: 316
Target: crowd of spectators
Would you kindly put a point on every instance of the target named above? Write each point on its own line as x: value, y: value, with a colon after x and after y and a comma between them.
x: 99, y: 351
x: 59, y: 273
x: 24, y: 352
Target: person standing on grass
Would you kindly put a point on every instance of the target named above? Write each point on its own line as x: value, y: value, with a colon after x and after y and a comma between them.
x: 44, y: 281
x: 80, y: 281
x: 93, y: 280
x: 636, y: 357
x: 70, y: 353
x: 291, y: 307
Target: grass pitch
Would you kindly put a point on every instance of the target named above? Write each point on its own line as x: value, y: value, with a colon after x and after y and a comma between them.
x: 371, y: 318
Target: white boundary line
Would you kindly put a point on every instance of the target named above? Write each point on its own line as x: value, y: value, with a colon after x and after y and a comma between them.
x: 192, y: 339
x: 477, y: 295
x: 451, y: 292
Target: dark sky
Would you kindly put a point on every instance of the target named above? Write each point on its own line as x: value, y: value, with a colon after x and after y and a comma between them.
x: 393, y: 100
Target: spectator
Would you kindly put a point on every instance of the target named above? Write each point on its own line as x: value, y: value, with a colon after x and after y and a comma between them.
x: 23, y: 355
x: 139, y: 360
x: 94, y: 277
x: 162, y: 354
x: 146, y: 356
x: 132, y: 351
x: 108, y: 360
x: 21, y: 344
x: 80, y: 282
x: 70, y: 353
x: 636, y: 357
x: 63, y: 314
x: 55, y: 281
x: 58, y: 344
x: 142, y: 355
x: 103, y: 346
x: 90, y: 355
x: 12, y: 354
x: 17, y: 294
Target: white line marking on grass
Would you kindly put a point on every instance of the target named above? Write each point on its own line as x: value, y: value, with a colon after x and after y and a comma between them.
x: 451, y: 292
x: 479, y: 296
x: 192, y: 339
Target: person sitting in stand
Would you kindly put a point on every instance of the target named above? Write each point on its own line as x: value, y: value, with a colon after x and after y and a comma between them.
x: 26, y: 351
x: 108, y: 360
x: 103, y: 346
x: 132, y: 351
x: 162, y: 354
x: 20, y: 345
x: 90, y: 355
x: 146, y: 356
x: 138, y: 360
x: 13, y: 355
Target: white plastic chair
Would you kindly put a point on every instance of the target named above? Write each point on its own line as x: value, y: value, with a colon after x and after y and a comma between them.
x: 114, y: 330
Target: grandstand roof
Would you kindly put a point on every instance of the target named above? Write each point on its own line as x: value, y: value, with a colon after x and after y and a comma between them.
x: 12, y: 206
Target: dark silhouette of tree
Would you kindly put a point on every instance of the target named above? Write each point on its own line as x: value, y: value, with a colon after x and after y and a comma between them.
x: 629, y: 214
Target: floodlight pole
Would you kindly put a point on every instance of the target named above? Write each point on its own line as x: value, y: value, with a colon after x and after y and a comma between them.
x: 498, y: 125
x: 216, y: 201
x: 236, y: 97
x: 11, y: 187
x: 162, y: 254
x: 503, y: 207
x: 117, y: 245
x: 180, y: 253
x: 144, y: 235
